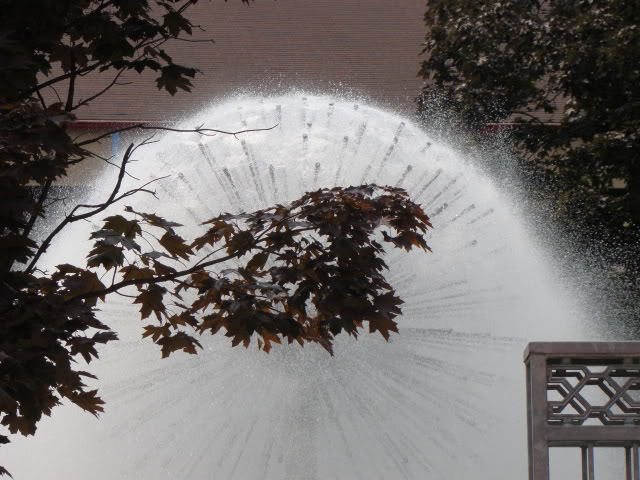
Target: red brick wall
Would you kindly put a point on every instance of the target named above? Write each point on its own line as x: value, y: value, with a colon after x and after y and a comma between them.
x: 368, y: 46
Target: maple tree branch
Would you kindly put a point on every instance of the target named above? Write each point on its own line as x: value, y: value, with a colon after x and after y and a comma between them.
x: 204, y: 131
x: 60, y: 78
x: 187, y: 4
x: 173, y: 276
x: 42, y: 102
x: 56, y: 92
x: 532, y: 117
x: 100, y: 93
x: 176, y: 275
x: 72, y: 84
x: 109, y: 162
x: 71, y: 218
x: 199, y: 262
x: 131, y: 192
x: 153, y: 280
x: 41, y: 199
x: 191, y: 40
x: 105, y: 135
x: 199, y: 130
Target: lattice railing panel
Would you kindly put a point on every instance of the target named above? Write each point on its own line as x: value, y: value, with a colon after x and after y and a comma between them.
x: 593, y: 394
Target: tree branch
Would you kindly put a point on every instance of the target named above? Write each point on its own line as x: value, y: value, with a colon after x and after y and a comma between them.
x: 532, y: 117
x: 72, y: 84
x: 56, y: 92
x: 200, y: 130
x: 60, y: 78
x: 39, y: 204
x: 42, y: 102
x: 97, y: 10
x: 71, y: 218
x: 197, y: 267
x: 160, y: 279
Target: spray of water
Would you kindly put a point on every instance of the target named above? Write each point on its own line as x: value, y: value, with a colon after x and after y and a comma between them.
x: 443, y: 399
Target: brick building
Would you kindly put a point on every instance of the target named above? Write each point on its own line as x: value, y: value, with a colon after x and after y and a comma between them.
x: 364, y: 47
x: 370, y: 47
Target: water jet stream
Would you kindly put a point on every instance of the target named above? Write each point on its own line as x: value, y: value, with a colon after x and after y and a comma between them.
x: 442, y: 400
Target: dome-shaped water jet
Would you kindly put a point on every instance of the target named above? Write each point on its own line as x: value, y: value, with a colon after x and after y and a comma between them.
x: 444, y: 399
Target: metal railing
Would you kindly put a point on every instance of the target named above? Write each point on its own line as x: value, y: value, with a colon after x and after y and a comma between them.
x: 585, y: 395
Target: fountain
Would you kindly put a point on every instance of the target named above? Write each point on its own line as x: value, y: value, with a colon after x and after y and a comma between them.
x: 443, y: 399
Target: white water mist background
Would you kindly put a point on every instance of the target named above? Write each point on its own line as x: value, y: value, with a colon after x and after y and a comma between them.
x: 443, y: 399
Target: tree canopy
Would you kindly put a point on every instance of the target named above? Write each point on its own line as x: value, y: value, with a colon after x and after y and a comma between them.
x: 307, y: 272
x: 522, y: 61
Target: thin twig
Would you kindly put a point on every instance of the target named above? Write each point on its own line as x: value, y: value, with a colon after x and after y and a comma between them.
x: 60, y: 78
x: 56, y: 92
x: 42, y: 102
x: 101, y: 92
x: 72, y: 83
x: 107, y: 161
x: 191, y: 40
x: 200, y: 130
x: 529, y: 115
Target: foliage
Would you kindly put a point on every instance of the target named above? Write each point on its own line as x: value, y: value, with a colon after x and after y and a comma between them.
x: 310, y: 270
x: 515, y: 60
x: 304, y: 272
x: 68, y: 39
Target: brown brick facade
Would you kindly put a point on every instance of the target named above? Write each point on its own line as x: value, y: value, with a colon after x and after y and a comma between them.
x: 369, y: 47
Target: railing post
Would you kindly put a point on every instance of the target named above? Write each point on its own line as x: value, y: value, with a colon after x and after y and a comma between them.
x: 537, y: 417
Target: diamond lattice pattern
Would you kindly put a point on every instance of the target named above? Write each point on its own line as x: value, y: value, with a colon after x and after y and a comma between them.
x: 593, y: 394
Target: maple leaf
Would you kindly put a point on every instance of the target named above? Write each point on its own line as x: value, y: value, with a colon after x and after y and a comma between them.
x: 267, y: 338
x: 175, y: 245
x: 151, y: 300
x: 383, y: 324
x: 213, y: 323
x: 119, y: 224
x: 258, y: 261
x: 109, y: 256
x: 65, y: 269
x: 220, y: 229
x: 114, y: 238
x: 176, y: 23
x: 156, y: 332
x: 179, y: 341
x: 240, y: 243
x: 84, y: 346
x: 175, y: 76
x: 22, y: 424
x: 154, y: 255
x: 103, y: 337
x: 388, y: 304
x: 88, y: 401
x: 132, y: 272
x: 184, y: 318
x: 17, y: 246
x: 4, y: 471
x: 239, y: 337
x: 155, y: 220
x: 81, y: 283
